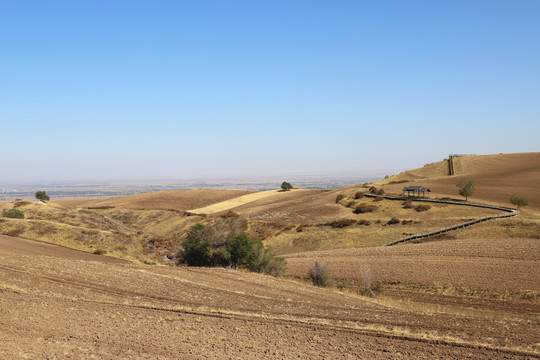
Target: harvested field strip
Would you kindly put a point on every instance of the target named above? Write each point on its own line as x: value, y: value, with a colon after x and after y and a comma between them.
x: 508, y: 212
x: 238, y: 201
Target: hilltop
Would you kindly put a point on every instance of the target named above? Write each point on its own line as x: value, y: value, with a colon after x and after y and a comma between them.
x: 497, y: 177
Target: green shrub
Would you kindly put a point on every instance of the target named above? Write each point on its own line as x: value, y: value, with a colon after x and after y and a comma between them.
x: 365, y: 208
x: 13, y: 213
x: 196, y: 248
x: 319, y: 273
x: 340, y: 197
x: 359, y: 195
x: 422, y: 207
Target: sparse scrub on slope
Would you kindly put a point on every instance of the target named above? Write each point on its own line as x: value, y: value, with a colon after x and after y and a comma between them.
x: 319, y: 273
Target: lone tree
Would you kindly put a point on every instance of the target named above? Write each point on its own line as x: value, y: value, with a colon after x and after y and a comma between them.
x: 466, y: 188
x: 42, y: 195
x: 285, y: 186
x: 518, y: 200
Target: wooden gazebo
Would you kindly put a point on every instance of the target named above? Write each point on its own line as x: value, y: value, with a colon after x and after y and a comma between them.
x: 416, y: 191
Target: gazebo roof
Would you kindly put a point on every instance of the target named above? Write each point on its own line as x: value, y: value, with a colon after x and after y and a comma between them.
x: 416, y: 188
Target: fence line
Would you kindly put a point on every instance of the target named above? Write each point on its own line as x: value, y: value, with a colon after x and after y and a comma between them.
x: 507, y: 213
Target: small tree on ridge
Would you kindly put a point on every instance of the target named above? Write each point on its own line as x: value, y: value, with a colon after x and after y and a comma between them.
x: 466, y: 188
x: 42, y: 195
x: 518, y: 200
x: 285, y: 186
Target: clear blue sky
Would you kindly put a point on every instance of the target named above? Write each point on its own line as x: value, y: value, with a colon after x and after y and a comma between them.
x: 173, y: 89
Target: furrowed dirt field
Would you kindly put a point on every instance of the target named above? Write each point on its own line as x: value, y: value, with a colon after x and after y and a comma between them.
x: 64, y: 304
x: 176, y: 200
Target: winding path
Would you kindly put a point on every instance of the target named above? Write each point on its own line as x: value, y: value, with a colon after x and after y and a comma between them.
x: 508, y: 212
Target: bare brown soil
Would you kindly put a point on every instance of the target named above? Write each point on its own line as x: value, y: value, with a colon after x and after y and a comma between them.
x: 485, y: 269
x: 165, y: 200
x: 58, y: 305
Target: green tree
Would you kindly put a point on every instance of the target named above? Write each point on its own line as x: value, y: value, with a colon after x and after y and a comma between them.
x: 466, y: 188
x: 241, y: 250
x: 197, y: 250
x: 42, y: 195
x: 286, y: 186
x: 518, y: 200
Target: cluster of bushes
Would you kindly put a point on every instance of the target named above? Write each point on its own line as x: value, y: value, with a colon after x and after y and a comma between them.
x: 365, y: 208
x: 13, y: 213
x: 364, y: 222
x: 338, y: 224
x: 204, y: 247
x: 374, y: 190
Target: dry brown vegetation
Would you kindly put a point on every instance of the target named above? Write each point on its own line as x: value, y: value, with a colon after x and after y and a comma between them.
x: 473, y: 292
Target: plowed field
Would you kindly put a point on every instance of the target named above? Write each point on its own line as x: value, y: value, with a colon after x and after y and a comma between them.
x: 66, y: 304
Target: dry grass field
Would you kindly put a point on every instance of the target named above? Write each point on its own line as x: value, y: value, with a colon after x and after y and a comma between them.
x: 471, y: 293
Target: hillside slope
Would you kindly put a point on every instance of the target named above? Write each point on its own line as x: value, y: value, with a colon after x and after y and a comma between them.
x: 164, y: 200
x: 67, y: 307
x: 496, y: 177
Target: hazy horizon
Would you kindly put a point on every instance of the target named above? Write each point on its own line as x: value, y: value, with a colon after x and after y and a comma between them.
x: 173, y: 90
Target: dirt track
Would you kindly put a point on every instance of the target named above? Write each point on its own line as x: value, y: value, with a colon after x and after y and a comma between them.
x: 66, y: 305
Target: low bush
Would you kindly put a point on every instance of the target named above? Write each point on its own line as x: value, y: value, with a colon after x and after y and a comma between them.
x: 407, y: 222
x: 359, y: 195
x: 364, y: 222
x: 20, y: 203
x: 301, y: 228
x: 380, y: 192
x: 408, y: 204
x: 365, y: 208
x: 422, y: 207
x: 338, y: 224
x: 230, y: 214
x: 373, y: 190
x: 378, y: 198
x: 319, y: 273
x: 340, y: 197
x: 393, y: 221
x: 351, y: 204
x: 100, y: 251
x: 13, y: 213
